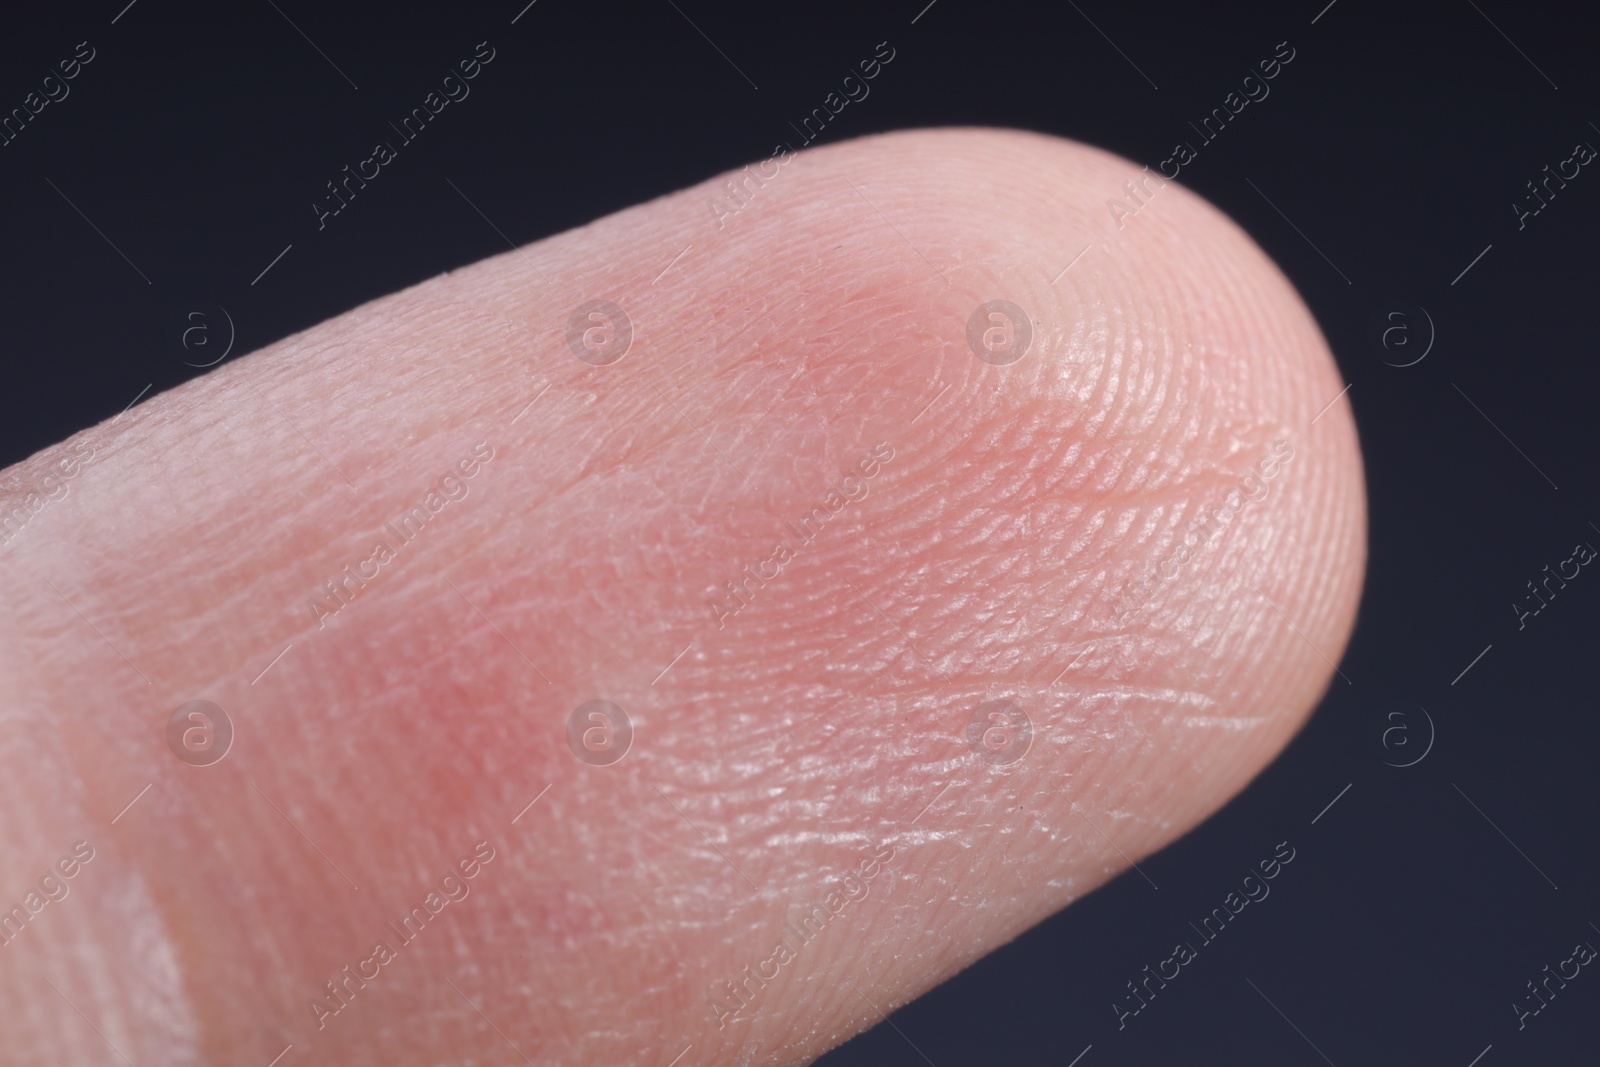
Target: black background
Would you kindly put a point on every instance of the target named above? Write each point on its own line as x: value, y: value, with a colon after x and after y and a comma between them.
x: 1397, y: 141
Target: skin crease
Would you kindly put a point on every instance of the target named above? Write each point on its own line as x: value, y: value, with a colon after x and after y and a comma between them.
x: 822, y: 723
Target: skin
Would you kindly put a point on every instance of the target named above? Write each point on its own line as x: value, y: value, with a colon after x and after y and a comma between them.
x: 824, y: 722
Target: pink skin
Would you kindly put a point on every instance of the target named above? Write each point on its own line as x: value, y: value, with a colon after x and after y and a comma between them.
x: 824, y: 721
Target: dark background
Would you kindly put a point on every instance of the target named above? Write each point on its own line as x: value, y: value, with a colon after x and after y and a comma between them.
x: 1397, y: 141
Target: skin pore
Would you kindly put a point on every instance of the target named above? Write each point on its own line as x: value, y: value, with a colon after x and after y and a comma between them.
x: 799, y: 718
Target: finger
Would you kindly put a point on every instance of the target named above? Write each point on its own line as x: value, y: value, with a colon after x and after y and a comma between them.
x: 927, y: 614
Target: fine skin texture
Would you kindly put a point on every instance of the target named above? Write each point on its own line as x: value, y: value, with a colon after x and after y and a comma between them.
x: 812, y: 743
